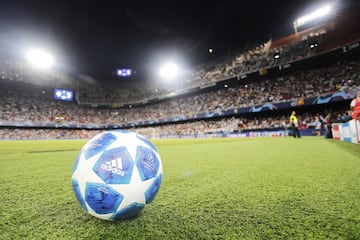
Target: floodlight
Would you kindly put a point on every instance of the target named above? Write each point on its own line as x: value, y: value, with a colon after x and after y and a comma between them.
x: 40, y: 58
x: 321, y: 12
x: 169, y: 71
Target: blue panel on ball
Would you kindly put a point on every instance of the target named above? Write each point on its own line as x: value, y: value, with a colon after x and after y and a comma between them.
x: 147, y: 163
x: 115, y: 166
x: 78, y: 195
x: 153, y: 189
x: 98, y: 143
x: 129, y: 211
x: 102, y: 198
x: 146, y: 141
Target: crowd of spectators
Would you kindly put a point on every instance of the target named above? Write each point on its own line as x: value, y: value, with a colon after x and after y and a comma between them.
x: 27, y: 97
x: 26, y: 134
x: 239, y: 62
x: 195, y: 128
x: 36, y: 105
x: 249, y: 59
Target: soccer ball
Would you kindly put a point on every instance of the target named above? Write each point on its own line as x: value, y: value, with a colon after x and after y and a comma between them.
x: 116, y: 174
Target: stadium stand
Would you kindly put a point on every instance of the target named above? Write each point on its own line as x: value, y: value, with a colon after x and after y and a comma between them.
x: 23, y: 102
x: 316, y: 71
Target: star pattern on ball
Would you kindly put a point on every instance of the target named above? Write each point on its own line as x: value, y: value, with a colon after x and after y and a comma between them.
x: 134, y: 191
x: 81, y: 173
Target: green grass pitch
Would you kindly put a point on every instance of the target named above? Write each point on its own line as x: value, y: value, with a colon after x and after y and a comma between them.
x: 263, y: 188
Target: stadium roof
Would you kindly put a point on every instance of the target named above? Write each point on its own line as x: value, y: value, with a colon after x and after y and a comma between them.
x: 95, y: 37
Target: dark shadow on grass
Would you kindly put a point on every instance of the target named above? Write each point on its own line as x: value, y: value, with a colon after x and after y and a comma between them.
x: 58, y: 150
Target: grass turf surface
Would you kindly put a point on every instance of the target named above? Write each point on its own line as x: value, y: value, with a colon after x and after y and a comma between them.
x: 264, y: 188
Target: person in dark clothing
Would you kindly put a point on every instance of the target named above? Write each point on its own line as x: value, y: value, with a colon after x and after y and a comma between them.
x: 294, y: 124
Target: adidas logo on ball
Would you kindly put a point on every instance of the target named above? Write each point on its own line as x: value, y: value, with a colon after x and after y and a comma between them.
x: 114, y: 166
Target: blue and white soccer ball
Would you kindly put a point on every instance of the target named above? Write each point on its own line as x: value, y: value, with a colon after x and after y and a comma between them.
x: 116, y: 174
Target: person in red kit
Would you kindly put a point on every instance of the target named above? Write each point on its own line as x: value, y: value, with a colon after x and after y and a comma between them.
x: 355, y: 107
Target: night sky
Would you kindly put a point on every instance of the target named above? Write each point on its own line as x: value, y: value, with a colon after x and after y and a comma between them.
x: 95, y: 37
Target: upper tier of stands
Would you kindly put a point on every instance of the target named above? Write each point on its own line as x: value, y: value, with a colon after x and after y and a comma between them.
x: 25, y: 103
x: 305, y: 44
x: 27, y: 95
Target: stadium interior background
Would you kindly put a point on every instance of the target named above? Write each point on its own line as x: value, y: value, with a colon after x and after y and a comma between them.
x: 251, y: 92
